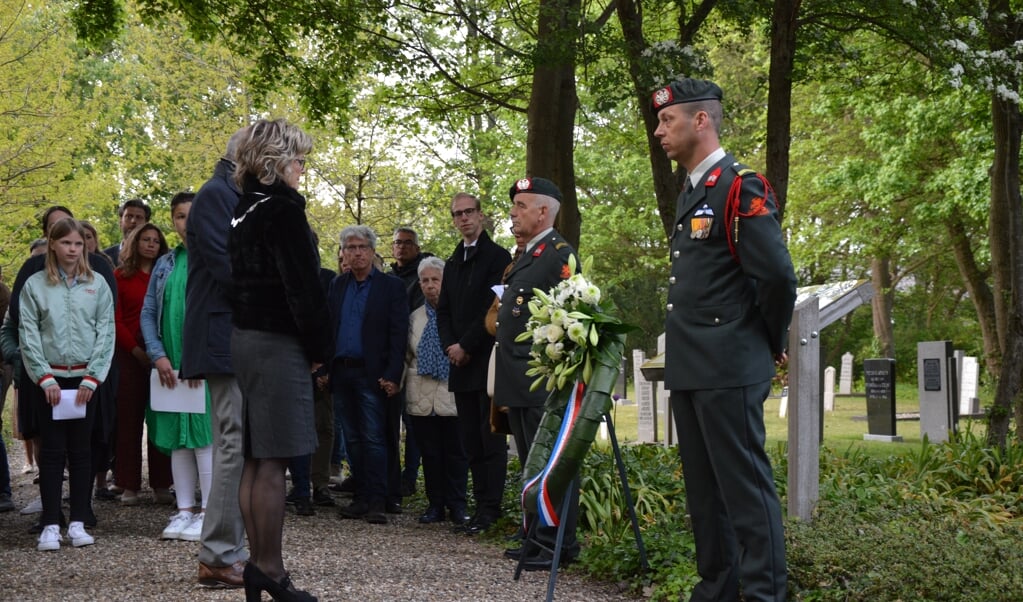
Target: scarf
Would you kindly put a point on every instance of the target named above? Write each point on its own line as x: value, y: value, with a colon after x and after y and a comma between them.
x: 430, y: 358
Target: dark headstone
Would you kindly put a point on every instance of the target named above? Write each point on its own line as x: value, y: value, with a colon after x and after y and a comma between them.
x: 879, y: 380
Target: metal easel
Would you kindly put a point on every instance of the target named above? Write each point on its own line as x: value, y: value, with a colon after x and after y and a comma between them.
x: 530, y: 537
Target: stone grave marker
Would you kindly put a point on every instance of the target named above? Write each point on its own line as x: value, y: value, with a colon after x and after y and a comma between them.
x: 879, y: 381
x: 845, y: 376
x: 663, y: 403
x: 829, y: 389
x: 937, y: 387
x: 647, y: 413
x: 968, y: 401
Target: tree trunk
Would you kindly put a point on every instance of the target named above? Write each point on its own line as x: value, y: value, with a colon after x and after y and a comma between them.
x: 881, y: 304
x: 779, y: 98
x: 979, y: 290
x: 667, y: 182
x: 550, y: 151
x: 1006, y: 228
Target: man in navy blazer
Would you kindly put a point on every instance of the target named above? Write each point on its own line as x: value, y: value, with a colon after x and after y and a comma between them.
x: 206, y: 353
x: 369, y: 316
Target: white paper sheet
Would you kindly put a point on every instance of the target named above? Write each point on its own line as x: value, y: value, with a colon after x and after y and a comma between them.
x: 181, y: 398
x: 66, y: 409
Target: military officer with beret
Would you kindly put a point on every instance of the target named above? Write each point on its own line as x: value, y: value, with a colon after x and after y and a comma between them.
x: 542, y: 264
x: 730, y: 300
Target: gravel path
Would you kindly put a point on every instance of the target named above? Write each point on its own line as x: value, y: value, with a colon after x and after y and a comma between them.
x: 337, y: 560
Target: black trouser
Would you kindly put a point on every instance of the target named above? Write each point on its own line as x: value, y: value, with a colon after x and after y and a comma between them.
x: 487, y: 452
x: 64, y: 441
x: 524, y: 422
x: 445, y: 466
x: 730, y: 494
x: 392, y: 438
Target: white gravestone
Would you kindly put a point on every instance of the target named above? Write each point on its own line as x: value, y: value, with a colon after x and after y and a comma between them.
x: 845, y: 376
x: 968, y: 401
x: 829, y: 389
x: 647, y: 419
x: 664, y: 415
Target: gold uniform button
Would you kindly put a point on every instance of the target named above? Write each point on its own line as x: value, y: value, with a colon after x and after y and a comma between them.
x: 680, y: 227
x: 671, y: 280
x: 717, y: 320
x: 671, y: 306
x: 675, y: 254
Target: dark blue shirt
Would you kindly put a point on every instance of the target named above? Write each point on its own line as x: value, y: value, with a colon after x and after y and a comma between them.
x: 353, y: 310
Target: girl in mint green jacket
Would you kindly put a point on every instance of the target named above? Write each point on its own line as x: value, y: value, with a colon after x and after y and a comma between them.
x: 67, y: 344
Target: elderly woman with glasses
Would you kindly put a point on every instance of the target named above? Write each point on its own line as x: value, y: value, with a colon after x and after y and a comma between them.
x: 279, y: 337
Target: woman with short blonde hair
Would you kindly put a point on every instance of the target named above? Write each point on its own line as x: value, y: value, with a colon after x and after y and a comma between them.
x: 280, y: 337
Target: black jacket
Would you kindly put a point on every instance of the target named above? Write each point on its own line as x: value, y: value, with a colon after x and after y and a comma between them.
x: 465, y: 297
x: 275, y: 268
x: 409, y: 274
x: 206, y: 344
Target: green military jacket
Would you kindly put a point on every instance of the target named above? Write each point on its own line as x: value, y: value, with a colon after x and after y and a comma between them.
x: 542, y: 267
x: 728, y: 311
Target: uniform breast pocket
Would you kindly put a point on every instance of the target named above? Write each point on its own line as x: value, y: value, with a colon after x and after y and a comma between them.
x: 715, y: 315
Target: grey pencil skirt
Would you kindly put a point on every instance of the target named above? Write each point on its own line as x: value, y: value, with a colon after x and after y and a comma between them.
x: 276, y: 384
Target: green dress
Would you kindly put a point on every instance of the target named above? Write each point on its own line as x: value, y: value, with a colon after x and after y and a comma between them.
x: 176, y: 430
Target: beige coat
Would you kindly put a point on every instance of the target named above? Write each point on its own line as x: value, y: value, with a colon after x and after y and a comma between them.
x: 424, y: 395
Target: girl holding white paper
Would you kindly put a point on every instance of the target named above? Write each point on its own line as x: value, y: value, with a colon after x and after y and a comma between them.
x: 67, y: 345
x: 187, y: 437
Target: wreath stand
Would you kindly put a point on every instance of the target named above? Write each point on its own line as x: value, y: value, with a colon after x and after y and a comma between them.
x: 530, y: 537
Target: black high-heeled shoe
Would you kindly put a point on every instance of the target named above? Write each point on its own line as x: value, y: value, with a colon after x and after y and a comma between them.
x: 256, y: 582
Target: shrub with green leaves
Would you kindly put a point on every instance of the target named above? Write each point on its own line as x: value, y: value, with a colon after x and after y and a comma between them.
x: 940, y: 522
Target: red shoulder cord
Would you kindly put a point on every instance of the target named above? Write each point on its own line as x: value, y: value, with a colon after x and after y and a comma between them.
x: 758, y: 206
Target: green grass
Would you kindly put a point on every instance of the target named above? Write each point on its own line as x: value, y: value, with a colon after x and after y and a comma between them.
x: 843, y: 428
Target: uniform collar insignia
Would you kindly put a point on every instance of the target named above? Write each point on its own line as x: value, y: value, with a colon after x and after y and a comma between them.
x: 712, y: 179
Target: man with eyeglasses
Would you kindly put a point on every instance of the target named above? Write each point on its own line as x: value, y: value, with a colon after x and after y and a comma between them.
x: 407, y: 256
x: 473, y: 268
x: 369, y: 316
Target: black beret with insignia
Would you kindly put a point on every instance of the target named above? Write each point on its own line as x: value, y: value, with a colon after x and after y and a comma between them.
x: 685, y: 90
x: 536, y: 186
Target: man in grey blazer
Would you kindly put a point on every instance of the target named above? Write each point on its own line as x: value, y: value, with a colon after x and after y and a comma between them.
x: 206, y: 353
x: 730, y: 299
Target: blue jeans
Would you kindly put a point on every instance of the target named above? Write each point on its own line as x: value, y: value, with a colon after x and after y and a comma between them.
x: 339, y: 454
x: 363, y: 422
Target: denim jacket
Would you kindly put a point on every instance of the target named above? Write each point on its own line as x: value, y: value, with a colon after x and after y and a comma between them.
x: 152, y: 306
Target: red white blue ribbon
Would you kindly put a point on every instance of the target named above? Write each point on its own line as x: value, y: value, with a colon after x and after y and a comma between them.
x: 546, y: 509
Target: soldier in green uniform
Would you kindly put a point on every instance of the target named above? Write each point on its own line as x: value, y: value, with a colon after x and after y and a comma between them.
x: 542, y: 264
x: 730, y: 300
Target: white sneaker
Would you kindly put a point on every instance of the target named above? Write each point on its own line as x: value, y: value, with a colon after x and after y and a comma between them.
x: 178, y: 523
x: 76, y: 533
x: 33, y: 507
x: 193, y: 532
x: 49, y: 539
